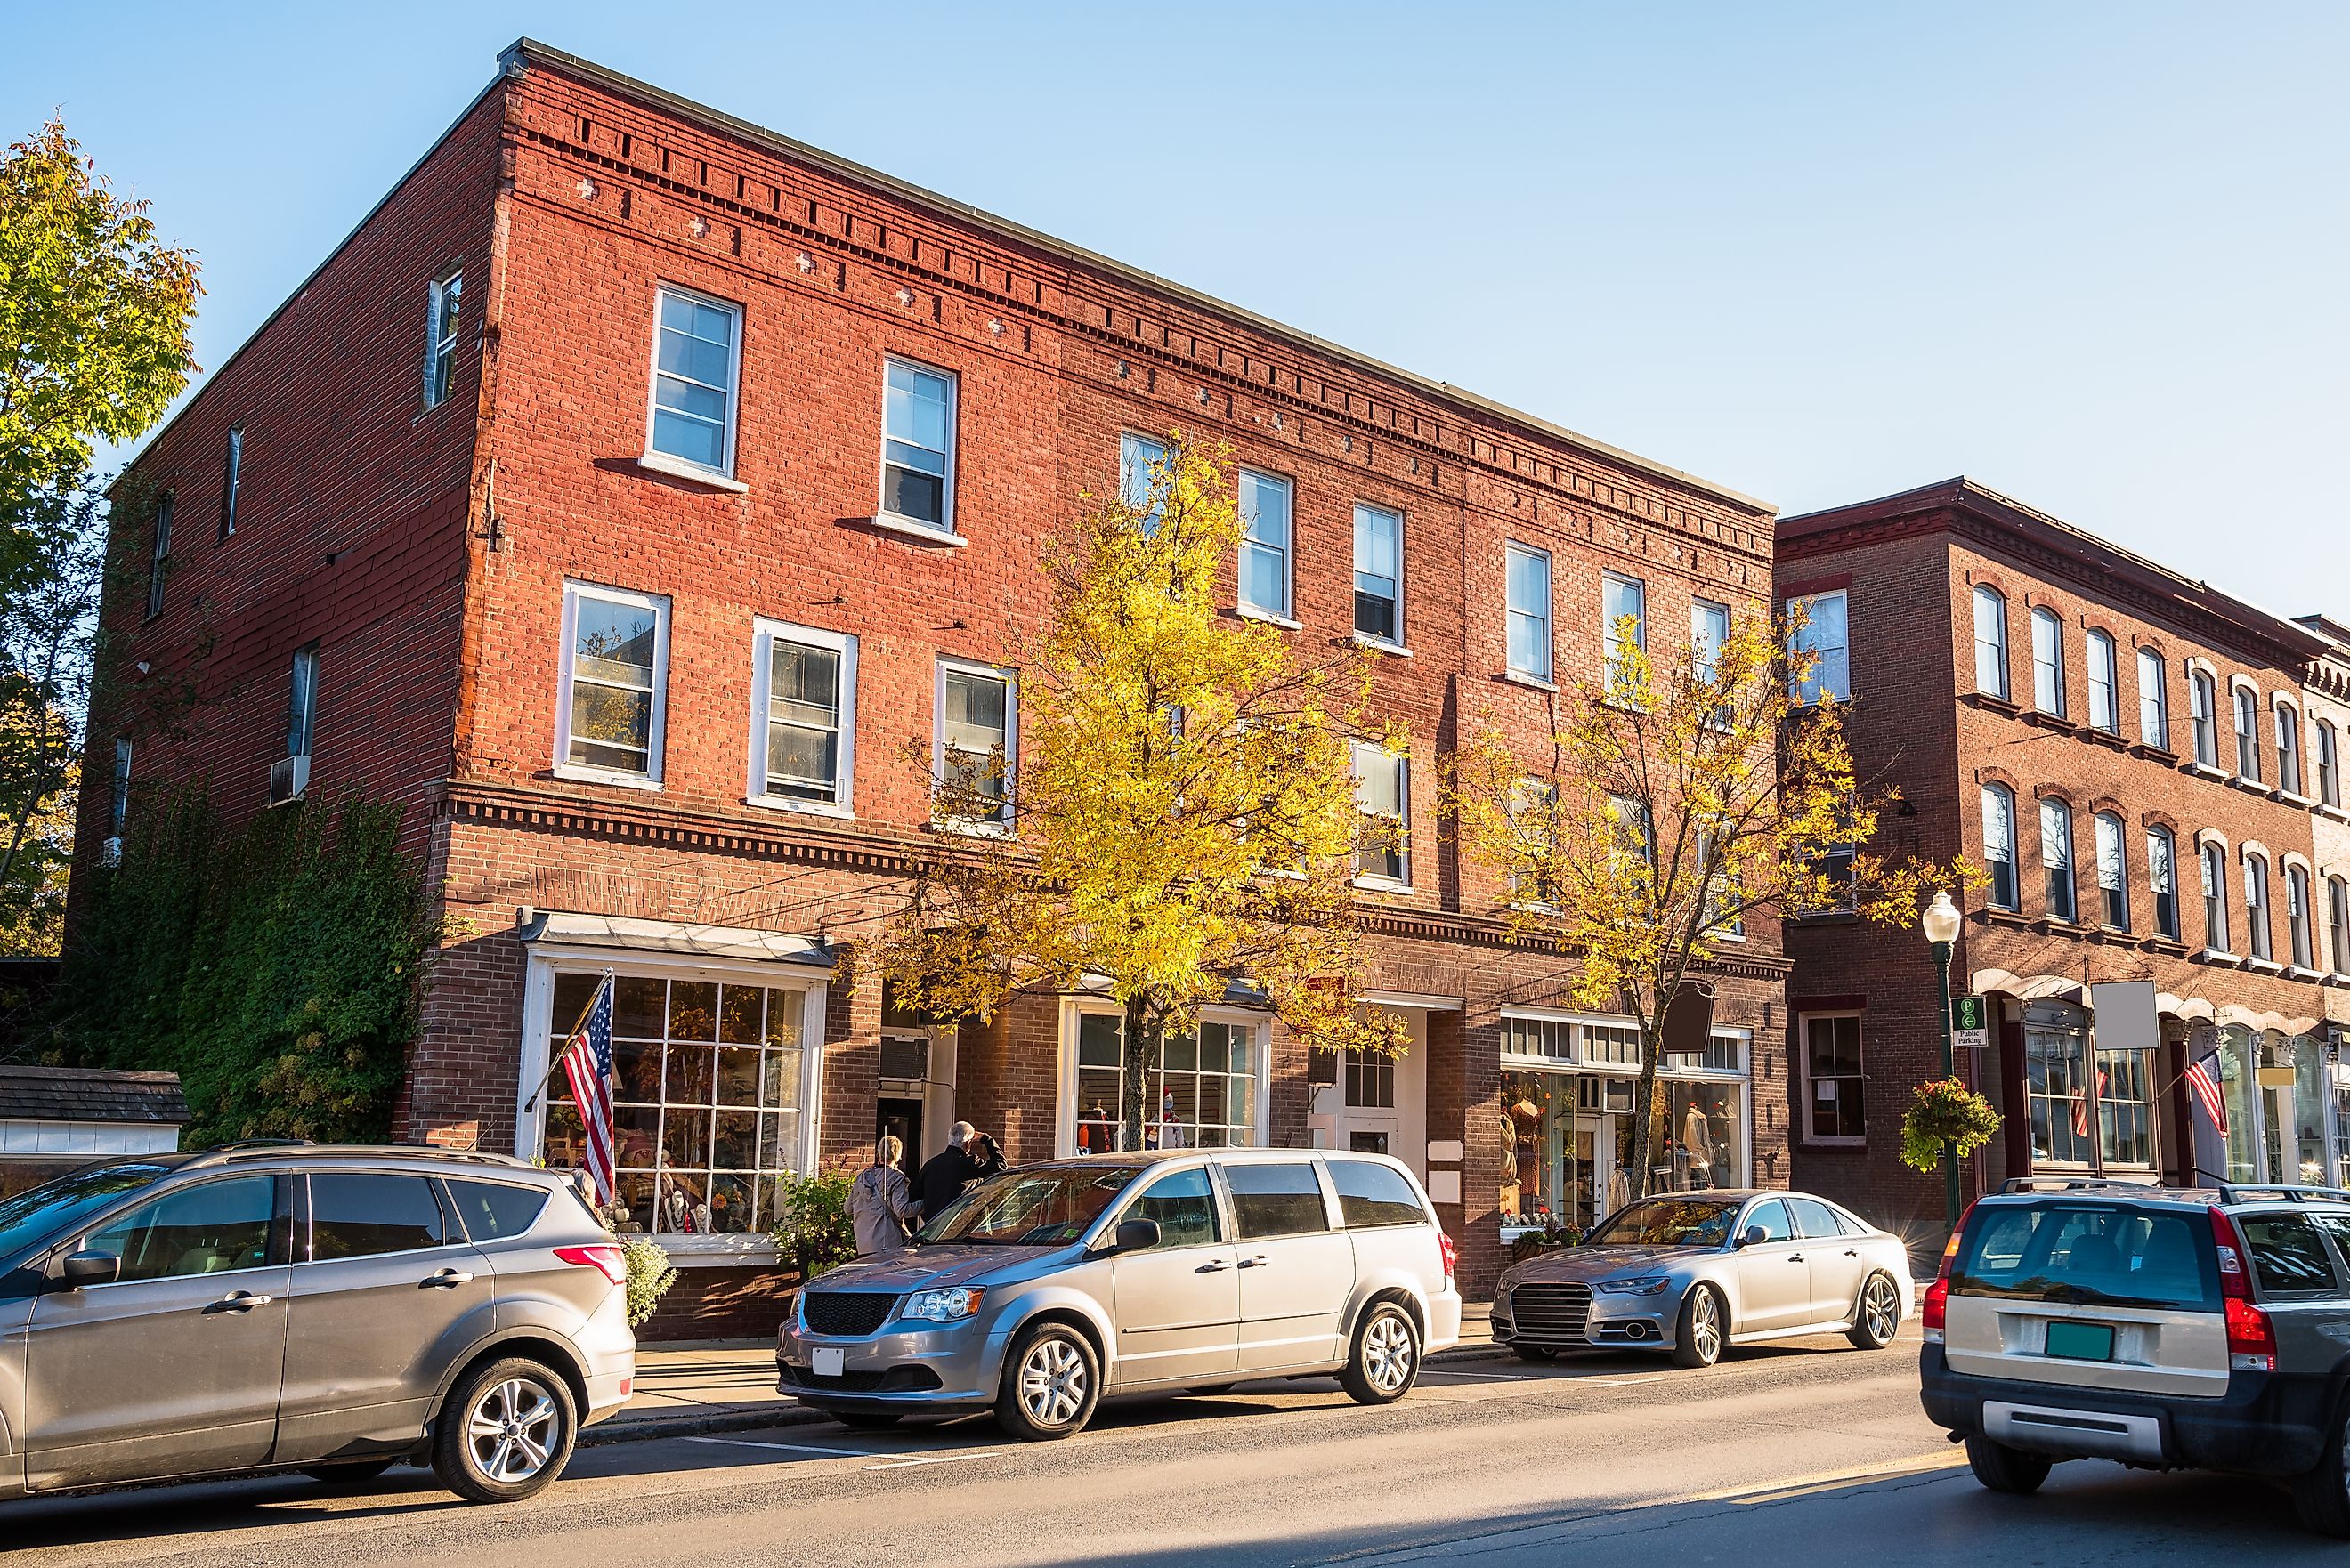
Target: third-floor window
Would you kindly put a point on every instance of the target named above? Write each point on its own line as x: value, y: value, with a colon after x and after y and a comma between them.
x: 442, y: 296
x: 2248, y: 734
x: 2329, y: 769
x: 2203, y: 703
x: 1378, y: 574
x: 696, y: 354
x: 2047, y: 662
x: 2104, y: 705
x: 2288, y: 744
x: 1528, y: 570
x: 2153, y: 700
x: 1266, y: 534
x: 918, y: 445
x: 1990, y: 642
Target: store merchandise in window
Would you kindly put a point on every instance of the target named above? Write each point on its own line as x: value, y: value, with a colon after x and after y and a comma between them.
x: 1201, y: 1094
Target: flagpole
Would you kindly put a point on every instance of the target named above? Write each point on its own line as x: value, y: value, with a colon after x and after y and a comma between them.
x: 576, y: 1025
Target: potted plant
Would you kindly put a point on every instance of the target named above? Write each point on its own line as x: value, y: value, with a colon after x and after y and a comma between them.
x: 1945, y: 1112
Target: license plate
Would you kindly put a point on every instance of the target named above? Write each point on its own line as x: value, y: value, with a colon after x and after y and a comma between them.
x: 2081, y: 1341
x: 828, y: 1363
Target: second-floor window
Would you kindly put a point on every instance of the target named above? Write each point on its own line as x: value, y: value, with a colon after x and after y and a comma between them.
x: 1998, y: 844
x: 442, y: 299
x: 2329, y: 770
x: 917, y: 424
x: 1623, y: 622
x: 1990, y: 642
x: 2248, y: 734
x: 1378, y: 574
x: 2288, y: 744
x: 1383, y: 795
x: 160, y: 554
x: 2202, y: 699
x: 1141, y: 462
x: 232, y: 478
x: 2056, y: 857
x: 2047, y: 662
x: 2113, y: 872
x: 2105, y: 706
x: 2296, y: 917
x: 2256, y: 906
x: 803, y: 695
x: 1827, y: 636
x: 2162, y: 878
x: 977, y: 742
x: 696, y: 344
x: 2153, y: 700
x: 1266, y: 536
x: 1528, y: 588
x: 302, y: 702
x: 614, y: 669
x: 2337, y: 918
x: 2213, y: 860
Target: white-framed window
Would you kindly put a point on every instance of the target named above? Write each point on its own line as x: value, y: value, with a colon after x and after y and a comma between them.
x: 2248, y: 734
x: 803, y: 717
x: 2162, y: 877
x: 1623, y: 605
x: 697, y: 361
x: 1536, y: 799
x: 1139, y: 457
x: 1266, y: 536
x: 2056, y: 857
x: 2203, y: 709
x: 1991, y: 641
x: 302, y: 702
x: 1378, y: 574
x: 2105, y: 704
x: 2113, y: 872
x: 1834, y: 1086
x: 1708, y: 631
x: 1827, y: 636
x: 159, y: 556
x: 1999, y: 846
x: 443, y: 297
x: 2329, y: 766
x: 1211, y: 1087
x: 918, y: 435
x: 2047, y: 662
x: 976, y: 748
x: 1537, y: 1039
x: 2288, y: 745
x: 2337, y: 916
x: 1383, y: 795
x: 615, y: 681
x: 2256, y: 905
x: 1527, y: 570
x: 2153, y: 700
x: 2213, y: 860
x: 2296, y: 918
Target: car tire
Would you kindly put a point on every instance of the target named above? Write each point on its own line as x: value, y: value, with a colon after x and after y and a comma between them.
x: 1384, y: 1363
x: 1877, y: 1316
x: 868, y: 1420
x: 2001, y: 1468
x: 505, y: 1431
x: 1051, y: 1385
x: 1697, y: 1339
x: 352, y: 1472
x: 2322, y: 1495
x: 1534, y: 1353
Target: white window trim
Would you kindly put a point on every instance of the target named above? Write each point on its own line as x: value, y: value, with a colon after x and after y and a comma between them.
x: 1011, y: 678
x: 434, y: 292
x: 765, y: 634
x: 2006, y: 692
x: 669, y: 462
x: 898, y: 521
x: 1400, y: 644
x: 1547, y: 674
x: 1065, y: 1095
x: 2160, y: 693
x: 2041, y: 615
x: 1280, y: 616
x: 1403, y: 800
x: 573, y: 591
x: 2090, y: 640
x: 1804, y: 1075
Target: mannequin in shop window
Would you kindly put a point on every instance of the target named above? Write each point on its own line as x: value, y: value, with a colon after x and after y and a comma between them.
x: 1697, y: 1149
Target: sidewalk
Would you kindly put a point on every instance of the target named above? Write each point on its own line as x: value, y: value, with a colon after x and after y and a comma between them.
x: 688, y: 1387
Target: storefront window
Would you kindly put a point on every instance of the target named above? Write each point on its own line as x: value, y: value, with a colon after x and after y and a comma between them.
x: 2056, y: 1086
x: 2342, y: 1134
x: 706, y: 1100
x: 1202, y: 1093
x: 1704, y: 1136
x: 2309, y: 1109
x: 2125, y: 1109
x: 2237, y: 1082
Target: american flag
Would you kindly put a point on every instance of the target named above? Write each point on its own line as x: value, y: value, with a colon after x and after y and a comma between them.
x: 2081, y: 1106
x: 2203, y: 1083
x: 587, y: 1063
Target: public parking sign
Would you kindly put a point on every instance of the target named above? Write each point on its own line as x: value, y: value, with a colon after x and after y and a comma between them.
x: 1970, y: 1022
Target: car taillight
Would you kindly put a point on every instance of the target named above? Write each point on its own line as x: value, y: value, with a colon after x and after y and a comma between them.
x: 1934, y: 1309
x: 2230, y: 1245
x: 2251, y: 1341
x: 1446, y: 1252
x: 605, y: 1260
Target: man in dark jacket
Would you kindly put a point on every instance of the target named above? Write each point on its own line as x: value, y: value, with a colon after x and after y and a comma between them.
x: 946, y: 1173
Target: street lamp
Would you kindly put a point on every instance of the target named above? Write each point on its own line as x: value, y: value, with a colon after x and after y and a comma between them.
x: 1940, y: 922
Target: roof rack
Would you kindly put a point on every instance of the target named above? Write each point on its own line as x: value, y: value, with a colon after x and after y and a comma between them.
x: 2294, y: 1191
x: 260, y: 1148
x: 2077, y: 1184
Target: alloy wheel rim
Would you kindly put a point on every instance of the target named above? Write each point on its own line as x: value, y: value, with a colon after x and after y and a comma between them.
x: 512, y: 1430
x: 1387, y: 1353
x: 1706, y: 1322
x: 1053, y: 1383
x: 1879, y: 1309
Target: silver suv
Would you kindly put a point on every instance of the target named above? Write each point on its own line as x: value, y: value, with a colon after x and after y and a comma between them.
x: 2166, y: 1328
x: 1041, y: 1290
x: 333, y: 1311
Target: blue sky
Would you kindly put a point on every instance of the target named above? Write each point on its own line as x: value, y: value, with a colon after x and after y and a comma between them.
x: 2092, y: 254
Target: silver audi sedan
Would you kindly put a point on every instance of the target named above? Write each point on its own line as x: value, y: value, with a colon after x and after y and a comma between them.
x: 1689, y: 1272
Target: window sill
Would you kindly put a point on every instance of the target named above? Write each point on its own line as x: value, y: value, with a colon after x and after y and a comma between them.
x: 1534, y: 682
x: 1829, y: 917
x: 1382, y: 885
x: 2171, y: 946
x: 2250, y: 786
x: 2112, y: 738
x: 2293, y: 798
x: 2007, y: 917
x: 1250, y: 612
x: 2154, y: 753
x: 578, y: 774
x: 2301, y: 972
x: 909, y: 529
x: 678, y: 468
x: 1381, y: 645
x: 2224, y: 959
x: 2056, y: 928
x: 1994, y: 702
x: 970, y: 829
x: 2046, y: 721
x: 2335, y: 812
x: 2263, y: 966
x: 2337, y: 978
x: 2203, y: 770
x: 799, y: 808
x: 1852, y: 1142
x: 2121, y: 934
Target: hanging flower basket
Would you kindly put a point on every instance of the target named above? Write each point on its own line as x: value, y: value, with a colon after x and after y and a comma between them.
x: 1945, y: 1112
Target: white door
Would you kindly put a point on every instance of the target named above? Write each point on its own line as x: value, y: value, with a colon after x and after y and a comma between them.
x: 1379, y: 1105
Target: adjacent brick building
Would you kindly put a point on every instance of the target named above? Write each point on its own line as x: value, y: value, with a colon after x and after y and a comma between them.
x: 635, y: 485
x: 2134, y: 756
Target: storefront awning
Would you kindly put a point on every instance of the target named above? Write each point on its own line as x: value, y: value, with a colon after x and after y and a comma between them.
x: 675, y: 938
x: 2041, y: 987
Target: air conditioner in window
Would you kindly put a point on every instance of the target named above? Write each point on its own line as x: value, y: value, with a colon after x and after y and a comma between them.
x: 288, y: 777
x: 905, y: 1058
x: 110, y: 851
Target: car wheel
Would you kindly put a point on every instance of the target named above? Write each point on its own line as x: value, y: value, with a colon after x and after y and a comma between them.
x: 869, y: 1420
x: 1052, y: 1381
x: 506, y: 1433
x: 1879, y: 1317
x: 1698, y: 1341
x: 2002, y: 1468
x: 2321, y: 1497
x: 354, y: 1472
x: 1385, y: 1362
x: 1533, y: 1352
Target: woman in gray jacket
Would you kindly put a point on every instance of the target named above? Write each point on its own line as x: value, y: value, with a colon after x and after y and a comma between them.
x: 881, y: 1202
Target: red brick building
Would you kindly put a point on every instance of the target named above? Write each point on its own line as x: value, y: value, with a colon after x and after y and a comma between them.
x: 635, y: 485
x: 2132, y: 755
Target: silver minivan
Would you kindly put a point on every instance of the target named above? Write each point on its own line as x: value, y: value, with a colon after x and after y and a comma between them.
x: 333, y: 1310
x: 1045, y: 1288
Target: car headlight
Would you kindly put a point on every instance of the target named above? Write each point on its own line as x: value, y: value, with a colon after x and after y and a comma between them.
x: 943, y: 1306
x: 1637, y: 1286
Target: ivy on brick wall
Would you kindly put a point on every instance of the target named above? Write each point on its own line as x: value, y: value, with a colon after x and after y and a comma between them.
x: 276, y: 966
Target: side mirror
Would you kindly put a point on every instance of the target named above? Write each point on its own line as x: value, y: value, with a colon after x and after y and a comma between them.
x: 1136, y: 1236
x: 86, y: 1269
x: 1753, y: 1236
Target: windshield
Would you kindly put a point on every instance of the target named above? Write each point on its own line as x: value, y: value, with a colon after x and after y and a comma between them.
x: 2088, y: 1253
x: 42, y: 1212
x: 1665, y: 1222
x: 1040, y: 1207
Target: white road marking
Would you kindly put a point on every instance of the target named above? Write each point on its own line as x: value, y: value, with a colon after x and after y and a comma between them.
x: 785, y: 1448
x: 913, y: 1459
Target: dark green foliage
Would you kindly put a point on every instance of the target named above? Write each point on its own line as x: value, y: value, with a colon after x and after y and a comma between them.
x: 276, y: 969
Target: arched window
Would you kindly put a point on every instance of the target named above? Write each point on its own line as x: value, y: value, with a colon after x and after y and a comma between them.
x: 2162, y: 876
x: 2047, y: 662
x: 2113, y: 872
x: 2203, y: 699
x: 1998, y: 844
x: 2337, y: 916
x: 2296, y: 917
x: 2104, y: 709
x: 2288, y: 729
x: 2153, y: 700
x: 2056, y: 857
x: 2256, y: 906
x: 2215, y: 898
x: 1990, y: 642
x: 2248, y: 734
x: 2329, y: 769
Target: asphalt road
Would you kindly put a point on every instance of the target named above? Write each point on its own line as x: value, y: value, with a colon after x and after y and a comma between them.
x: 1809, y: 1454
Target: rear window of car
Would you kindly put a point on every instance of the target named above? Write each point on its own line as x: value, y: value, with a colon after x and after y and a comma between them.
x: 1370, y: 1194
x: 361, y: 1214
x: 2288, y: 1254
x: 495, y: 1210
x: 2088, y: 1253
x: 1269, y: 1199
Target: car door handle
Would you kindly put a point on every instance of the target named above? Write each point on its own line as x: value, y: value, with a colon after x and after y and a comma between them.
x: 447, y: 1279
x: 241, y: 1301
x: 1794, y: 1257
x: 1217, y: 1267
x: 1259, y: 1261
x: 1851, y: 1252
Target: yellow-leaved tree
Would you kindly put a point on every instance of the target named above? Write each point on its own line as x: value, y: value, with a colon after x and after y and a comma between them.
x: 1180, y: 821
x: 1672, y: 800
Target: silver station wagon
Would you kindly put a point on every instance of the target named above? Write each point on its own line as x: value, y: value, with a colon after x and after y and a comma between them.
x: 1043, y: 1289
